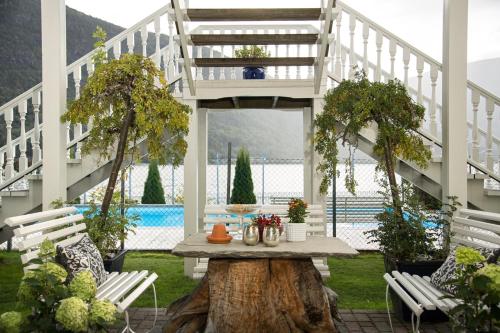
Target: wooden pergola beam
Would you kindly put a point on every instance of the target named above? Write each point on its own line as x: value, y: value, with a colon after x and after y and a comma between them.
x: 253, y: 62
x: 179, y: 23
x: 323, y: 49
x: 251, y: 39
x: 254, y: 14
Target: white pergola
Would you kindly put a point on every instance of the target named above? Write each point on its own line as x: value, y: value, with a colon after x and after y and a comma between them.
x: 54, y: 96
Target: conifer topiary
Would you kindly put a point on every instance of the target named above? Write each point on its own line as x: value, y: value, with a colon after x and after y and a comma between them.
x: 153, y: 190
x: 242, y: 184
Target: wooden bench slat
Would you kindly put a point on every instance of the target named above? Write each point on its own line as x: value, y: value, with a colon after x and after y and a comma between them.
x: 123, y: 305
x: 476, y: 234
x: 26, y: 257
x: 421, y: 298
x: 43, y: 226
x: 121, y: 291
x: 34, y: 241
x: 35, y: 217
x: 108, y: 285
x: 478, y: 224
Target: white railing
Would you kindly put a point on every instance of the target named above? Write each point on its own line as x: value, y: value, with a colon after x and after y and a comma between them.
x: 14, y: 162
x: 271, y: 72
x: 382, y: 55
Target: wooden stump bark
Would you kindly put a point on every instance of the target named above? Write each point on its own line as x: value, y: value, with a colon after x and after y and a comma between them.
x: 256, y: 295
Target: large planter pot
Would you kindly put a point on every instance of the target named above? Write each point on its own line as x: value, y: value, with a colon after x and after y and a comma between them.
x: 114, y: 263
x: 421, y: 268
x: 254, y: 73
x: 296, y: 232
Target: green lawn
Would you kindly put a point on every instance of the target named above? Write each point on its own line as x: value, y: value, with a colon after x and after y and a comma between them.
x: 358, y: 281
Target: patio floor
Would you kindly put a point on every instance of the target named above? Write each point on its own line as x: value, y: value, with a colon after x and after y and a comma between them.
x: 358, y: 321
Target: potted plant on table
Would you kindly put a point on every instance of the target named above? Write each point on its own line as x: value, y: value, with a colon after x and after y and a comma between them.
x: 297, y: 228
x: 252, y: 52
x: 127, y: 101
x: 403, y: 233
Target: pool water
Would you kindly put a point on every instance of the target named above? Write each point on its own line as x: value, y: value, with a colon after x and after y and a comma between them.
x: 173, y: 216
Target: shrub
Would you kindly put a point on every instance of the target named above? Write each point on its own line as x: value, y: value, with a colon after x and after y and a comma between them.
x: 242, y: 185
x: 153, y: 190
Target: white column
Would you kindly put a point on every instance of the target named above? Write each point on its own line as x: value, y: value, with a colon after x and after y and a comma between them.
x: 316, y: 179
x: 308, y: 153
x: 54, y: 100
x: 191, y: 182
x: 454, y: 174
x: 202, y: 164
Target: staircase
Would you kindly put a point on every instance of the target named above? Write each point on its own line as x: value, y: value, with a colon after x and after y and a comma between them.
x: 305, y: 59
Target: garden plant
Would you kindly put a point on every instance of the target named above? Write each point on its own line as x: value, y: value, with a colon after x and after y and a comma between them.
x: 242, y: 184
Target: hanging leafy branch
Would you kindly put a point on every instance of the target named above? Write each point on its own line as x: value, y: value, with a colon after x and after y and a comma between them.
x: 356, y: 104
x: 127, y: 100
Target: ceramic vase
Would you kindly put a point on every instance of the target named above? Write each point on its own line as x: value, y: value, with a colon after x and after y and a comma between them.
x: 296, y: 232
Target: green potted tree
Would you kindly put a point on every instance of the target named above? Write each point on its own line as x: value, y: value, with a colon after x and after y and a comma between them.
x: 242, y: 184
x: 252, y: 52
x: 403, y: 233
x: 153, y: 190
x: 126, y: 100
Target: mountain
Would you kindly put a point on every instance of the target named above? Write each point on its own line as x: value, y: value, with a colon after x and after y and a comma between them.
x: 20, y: 46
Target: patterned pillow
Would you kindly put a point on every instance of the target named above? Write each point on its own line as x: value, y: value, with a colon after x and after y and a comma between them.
x: 448, y: 269
x: 81, y: 256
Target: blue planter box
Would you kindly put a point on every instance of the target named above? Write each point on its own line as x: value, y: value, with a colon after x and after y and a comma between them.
x: 253, y: 73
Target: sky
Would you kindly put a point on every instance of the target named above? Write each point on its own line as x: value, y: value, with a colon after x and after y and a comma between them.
x: 419, y: 22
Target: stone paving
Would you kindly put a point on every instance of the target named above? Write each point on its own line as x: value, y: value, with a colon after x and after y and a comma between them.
x: 354, y: 321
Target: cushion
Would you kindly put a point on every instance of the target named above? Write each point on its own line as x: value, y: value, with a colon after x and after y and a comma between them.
x: 447, y: 271
x: 81, y: 256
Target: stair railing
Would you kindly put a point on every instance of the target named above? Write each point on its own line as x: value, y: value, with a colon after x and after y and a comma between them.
x: 420, y: 73
x: 14, y: 160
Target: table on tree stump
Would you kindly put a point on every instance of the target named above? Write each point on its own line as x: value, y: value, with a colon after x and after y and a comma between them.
x: 257, y: 288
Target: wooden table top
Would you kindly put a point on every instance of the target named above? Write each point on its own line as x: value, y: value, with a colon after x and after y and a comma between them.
x: 196, y: 246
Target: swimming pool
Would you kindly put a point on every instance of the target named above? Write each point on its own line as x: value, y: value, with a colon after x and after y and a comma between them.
x: 173, y: 216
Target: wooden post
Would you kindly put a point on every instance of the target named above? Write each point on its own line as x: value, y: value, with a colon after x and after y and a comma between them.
x: 454, y: 174
x: 54, y: 100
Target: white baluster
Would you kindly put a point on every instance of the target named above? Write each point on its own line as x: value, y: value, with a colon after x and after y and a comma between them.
x: 233, y: 69
x: 392, y: 53
x: 130, y: 42
x: 211, y: 75
x: 379, y: 39
x: 23, y: 160
x: 90, y: 67
x: 490, y: 108
x: 420, y: 71
x: 9, y: 166
x: 344, y: 62
x: 144, y: 40
x: 157, y: 41
x: 37, y: 152
x: 366, y: 34
x: 475, y: 132
x: 338, y: 46
x: 432, y: 115
x: 1, y: 166
x: 276, y: 69
x: 222, y: 70
x: 77, y: 75
x: 178, y: 61
x: 117, y: 49
x: 406, y: 61
x: 287, y: 54
x: 199, y: 70
x: 310, y: 68
x: 171, y: 49
x: 352, y: 55
x: 297, y: 49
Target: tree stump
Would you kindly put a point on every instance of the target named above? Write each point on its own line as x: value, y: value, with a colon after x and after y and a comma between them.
x: 256, y: 295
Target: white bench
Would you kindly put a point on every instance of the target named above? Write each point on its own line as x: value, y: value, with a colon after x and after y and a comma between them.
x: 470, y: 228
x: 315, y: 221
x: 64, y: 227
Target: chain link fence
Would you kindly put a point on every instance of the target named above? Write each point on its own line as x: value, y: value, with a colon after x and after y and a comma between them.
x: 161, y: 227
